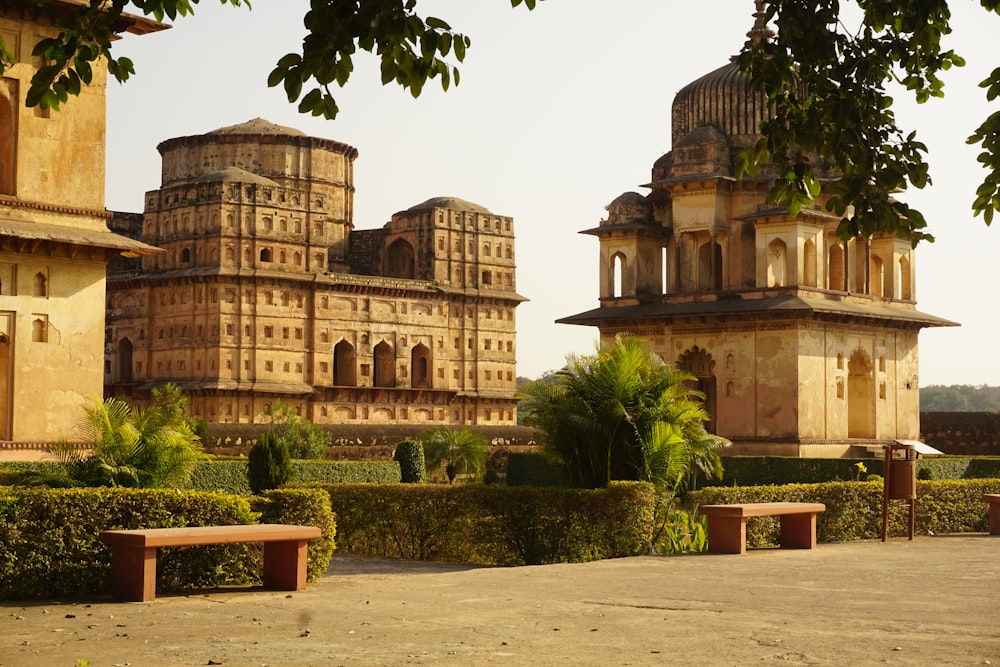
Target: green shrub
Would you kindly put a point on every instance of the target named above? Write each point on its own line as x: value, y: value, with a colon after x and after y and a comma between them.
x: 760, y: 470
x: 854, y: 509
x: 268, y: 463
x: 231, y: 475
x: 493, y: 525
x: 303, y: 439
x: 534, y: 469
x: 303, y: 507
x: 49, y: 546
x: 410, y: 456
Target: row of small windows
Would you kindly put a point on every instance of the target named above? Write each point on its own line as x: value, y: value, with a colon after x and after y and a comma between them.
x: 501, y: 251
x: 8, y: 285
x: 183, y: 224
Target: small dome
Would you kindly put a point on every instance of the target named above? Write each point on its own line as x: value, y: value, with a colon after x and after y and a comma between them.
x: 630, y: 207
x: 234, y: 175
x: 450, y: 203
x: 259, y: 126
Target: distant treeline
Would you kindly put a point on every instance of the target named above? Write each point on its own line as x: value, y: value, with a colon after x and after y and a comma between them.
x: 933, y: 398
x: 959, y: 398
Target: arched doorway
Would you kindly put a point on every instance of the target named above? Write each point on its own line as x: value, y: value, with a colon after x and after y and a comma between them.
x: 860, y: 396
x: 385, y: 366
x: 700, y: 364
x: 124, y: 360
x: 399, y: 260
x: 344, y: 359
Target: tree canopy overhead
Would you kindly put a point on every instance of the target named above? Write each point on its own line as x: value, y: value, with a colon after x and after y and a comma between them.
x: 830, y: 79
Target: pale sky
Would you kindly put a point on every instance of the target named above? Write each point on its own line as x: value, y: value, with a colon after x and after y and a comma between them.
x: 559, y: 111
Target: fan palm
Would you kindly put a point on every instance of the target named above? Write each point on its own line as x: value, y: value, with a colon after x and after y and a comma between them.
x: 461, y: 452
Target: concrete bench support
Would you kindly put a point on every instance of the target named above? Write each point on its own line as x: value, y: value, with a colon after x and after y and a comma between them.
x: 133, y: 554
x: 994, y: 500
x: 727, y: 524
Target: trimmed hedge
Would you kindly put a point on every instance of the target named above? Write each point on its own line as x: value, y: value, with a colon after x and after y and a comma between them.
x: 534, y: 469
x: 49, y: 546
x: 854, y: 509
x: 231, y: 475
x: 757, y: 470
x: 493, y: 525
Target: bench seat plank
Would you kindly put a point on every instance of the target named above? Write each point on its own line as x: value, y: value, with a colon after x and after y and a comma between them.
x: 133, y: 553
x: 189, y: 536
x: 727, y: 524
x: 761, y: 509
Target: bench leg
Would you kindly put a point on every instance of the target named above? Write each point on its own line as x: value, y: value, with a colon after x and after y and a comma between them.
x: 798, y: 531
x: 133, y: 574
x: 727, y: 535
x: 994, y: 518
x: 285, y: 565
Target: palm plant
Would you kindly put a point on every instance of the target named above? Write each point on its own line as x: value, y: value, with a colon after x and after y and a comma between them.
x: 461, y: 452
x: 623, y: 414
x: 136, y: 447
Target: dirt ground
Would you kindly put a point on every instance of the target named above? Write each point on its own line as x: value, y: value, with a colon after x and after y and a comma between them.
x: 933, y: 601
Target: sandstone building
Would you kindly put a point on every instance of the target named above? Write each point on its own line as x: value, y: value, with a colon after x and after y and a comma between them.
x: 803, y: 344
x: 54, y: 239
x: 266, y: 291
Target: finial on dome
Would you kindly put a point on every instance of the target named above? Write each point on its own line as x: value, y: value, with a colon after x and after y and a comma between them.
x: 760, y: 31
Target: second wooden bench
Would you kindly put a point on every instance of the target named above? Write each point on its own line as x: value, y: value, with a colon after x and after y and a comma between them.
x: 133, y: 553
x: 727, y: 524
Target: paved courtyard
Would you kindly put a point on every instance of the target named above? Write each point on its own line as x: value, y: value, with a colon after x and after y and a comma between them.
x: 933, y: 601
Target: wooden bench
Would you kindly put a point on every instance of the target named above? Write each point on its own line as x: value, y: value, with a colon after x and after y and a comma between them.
x: 133, y: 553
x: 994, y: 500
x: 727, y: 524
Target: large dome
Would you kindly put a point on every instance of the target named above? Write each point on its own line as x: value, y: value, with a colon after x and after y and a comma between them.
x: 721, y: 99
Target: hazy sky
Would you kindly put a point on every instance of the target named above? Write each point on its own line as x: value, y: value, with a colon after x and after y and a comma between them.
x: 559, y: 111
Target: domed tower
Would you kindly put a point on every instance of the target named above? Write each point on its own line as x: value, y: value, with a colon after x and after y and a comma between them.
x: 802, y: 343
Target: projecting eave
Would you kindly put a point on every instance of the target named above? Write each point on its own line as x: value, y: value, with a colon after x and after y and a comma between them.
x: 94, y: 238
x: 625, y: 226
x: 789, y: 306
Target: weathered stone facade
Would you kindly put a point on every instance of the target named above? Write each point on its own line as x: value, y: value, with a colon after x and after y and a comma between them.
x: 804, y: 344
x: 54, y: 240
x: 266, y: 291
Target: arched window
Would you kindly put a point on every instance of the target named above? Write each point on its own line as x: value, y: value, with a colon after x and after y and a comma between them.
x: 617, y: 274
x: 709, y: 267
x: 809, y: 263
x: 860, y: 396
x: 385, y: 366
x: 186, y: 255
x: 40, y: 285
x: 39, y: 331
x: 777, y: 264
x: 905, y: 292
x: 266, y: 255
x: 835, y: 270
x: 420, y: 360
x: 877, y: 276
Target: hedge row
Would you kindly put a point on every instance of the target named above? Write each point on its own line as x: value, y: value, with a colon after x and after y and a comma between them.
x: 756, y: 470
x: 49, y: 546
x: 854, y: 509
x: 230, y: 475
x: 492, y: 525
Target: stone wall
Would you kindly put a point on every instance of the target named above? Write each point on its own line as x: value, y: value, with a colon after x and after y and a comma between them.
x: 962, y: 433
x: 364, y: 441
